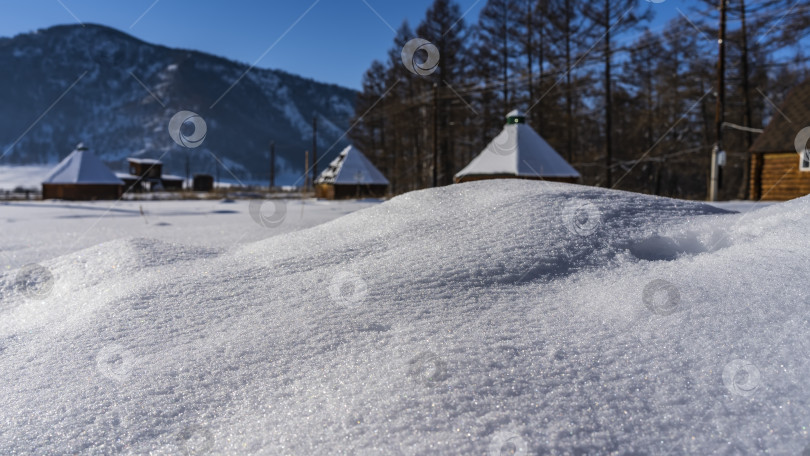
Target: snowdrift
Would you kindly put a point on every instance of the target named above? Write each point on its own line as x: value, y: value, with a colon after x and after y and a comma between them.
x: 479, y: 318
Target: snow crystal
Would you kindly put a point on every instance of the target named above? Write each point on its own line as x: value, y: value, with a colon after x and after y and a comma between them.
x: 478, y: 318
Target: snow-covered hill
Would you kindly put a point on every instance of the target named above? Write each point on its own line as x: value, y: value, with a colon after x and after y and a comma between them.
x: 472, y: 319
x: 109, y: 108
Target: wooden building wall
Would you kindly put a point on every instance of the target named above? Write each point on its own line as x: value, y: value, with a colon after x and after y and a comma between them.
x: 153, y: 170
x: 331, y: 191
x: 776, y: 177
x: 81, y: 192
x: 202, y: 183
x: 477, y: 177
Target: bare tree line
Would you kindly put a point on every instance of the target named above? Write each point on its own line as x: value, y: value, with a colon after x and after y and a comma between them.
x: 628, y: 106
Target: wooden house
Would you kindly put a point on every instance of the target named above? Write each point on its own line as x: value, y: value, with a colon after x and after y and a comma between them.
x: 81, y: 176
x: 780, y: 164
x: 132, y: 183
x: 203, y: 183
x: 351, y: 175
x: 518, y: 152
x: 148, y: 171
x: 148, y: 168
x: 171, y: 182
x: 146, y: 174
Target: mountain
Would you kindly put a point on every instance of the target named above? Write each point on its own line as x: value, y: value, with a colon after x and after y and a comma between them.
x: 100, y: 74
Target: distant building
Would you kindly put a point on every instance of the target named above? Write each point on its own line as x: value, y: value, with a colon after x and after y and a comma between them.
x: 778, y: 172
x: 145, y: 167
x: 351, y: 175
x: 203, y: 183
x: 146, y: 174
x: 518, y: 152
x: 131, y: 183
x: 81, y: 176
x: 171, y: 182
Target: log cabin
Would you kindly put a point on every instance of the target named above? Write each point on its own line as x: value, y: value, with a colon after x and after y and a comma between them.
x: 779, y: 166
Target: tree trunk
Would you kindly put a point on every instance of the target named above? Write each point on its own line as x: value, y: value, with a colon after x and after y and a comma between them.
x: 568, y: 98
x: 608, y: 103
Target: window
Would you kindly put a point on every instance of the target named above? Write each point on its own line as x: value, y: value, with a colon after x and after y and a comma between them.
x: 804, y: 165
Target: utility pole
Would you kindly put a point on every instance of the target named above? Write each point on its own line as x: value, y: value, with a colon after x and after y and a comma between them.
x: 314, y: 148
x: 569, y: 119
x: 435, y: 134
x: 530, y: 48
x: 306, y: 170
x: 188, y: 170
x: 721, y: 101
x: 272, y: 164
x: 608, y: 103
x: 747, y: 97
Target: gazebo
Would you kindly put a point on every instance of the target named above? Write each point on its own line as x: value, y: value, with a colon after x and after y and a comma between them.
x: 81, y: 176
x: 518, y: 152
x: 351, y: 175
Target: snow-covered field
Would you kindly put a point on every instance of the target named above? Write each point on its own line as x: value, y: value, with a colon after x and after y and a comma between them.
x: 27, y: 176
x: 35, y: 231
x: 482, y: 318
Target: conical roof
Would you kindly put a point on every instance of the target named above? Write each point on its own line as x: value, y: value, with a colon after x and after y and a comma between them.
x: 351, y: 167
x: 82, y: 167
x: 519, y: 151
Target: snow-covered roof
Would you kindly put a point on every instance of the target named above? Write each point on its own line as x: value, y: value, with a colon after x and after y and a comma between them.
x: 172, y: 177
x: 82, y: 167
x: 144, y: 161
x: 351, y: 167
x: 126, y: 176
x: 519, y: 151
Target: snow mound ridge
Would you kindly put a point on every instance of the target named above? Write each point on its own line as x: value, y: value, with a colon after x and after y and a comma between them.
x: 511, y: 231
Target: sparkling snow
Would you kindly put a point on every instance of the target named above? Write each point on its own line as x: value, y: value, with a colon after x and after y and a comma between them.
x: 482, y: 318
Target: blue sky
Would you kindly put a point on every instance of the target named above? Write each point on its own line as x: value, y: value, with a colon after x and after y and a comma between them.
x: 332, y: 41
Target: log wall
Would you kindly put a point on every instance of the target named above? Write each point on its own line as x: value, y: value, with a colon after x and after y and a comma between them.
x: 776, y: 177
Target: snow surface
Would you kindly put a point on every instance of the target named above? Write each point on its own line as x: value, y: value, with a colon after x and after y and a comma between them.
x: 496, y: 315
x: 34, y: 231
x: 27, y: 176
